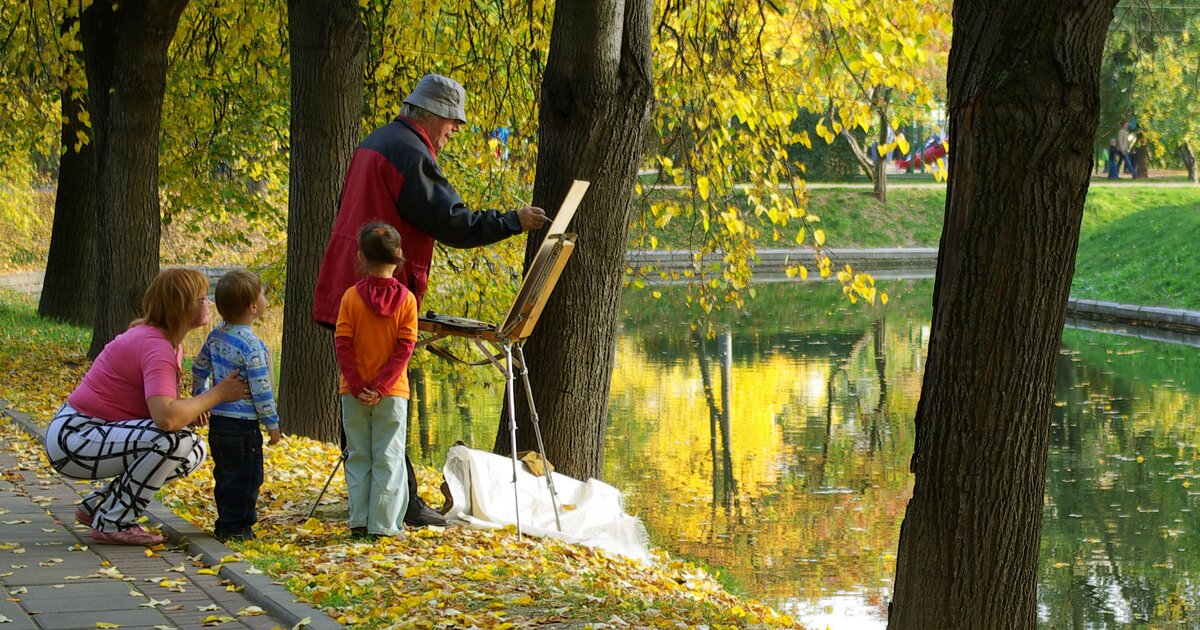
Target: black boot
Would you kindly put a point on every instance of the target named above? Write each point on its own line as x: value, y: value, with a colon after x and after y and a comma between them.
x: 419, y: 515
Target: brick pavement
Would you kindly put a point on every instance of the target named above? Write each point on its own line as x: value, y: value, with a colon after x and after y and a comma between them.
x: 55, y: 576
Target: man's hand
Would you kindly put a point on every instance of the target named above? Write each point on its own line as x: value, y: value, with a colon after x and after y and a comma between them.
x: 532, y: 218
x: 274, y: 436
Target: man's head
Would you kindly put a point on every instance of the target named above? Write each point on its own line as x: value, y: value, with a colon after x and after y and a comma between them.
x: 437, y: 105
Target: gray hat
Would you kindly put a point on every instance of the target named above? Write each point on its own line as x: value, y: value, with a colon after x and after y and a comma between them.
x: 441, y: 96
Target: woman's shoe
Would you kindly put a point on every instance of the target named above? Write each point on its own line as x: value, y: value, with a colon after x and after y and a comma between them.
x: 82, y: 516
x: 135, y: 535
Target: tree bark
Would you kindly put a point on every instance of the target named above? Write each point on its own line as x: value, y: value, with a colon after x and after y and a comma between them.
x: 328, y: 46
x: 125, y: 54
x: 969, y: 545
x: 595, y: 109
x: 69, y: 287
x: 1189, y: 161
x: 968, y: 555
x: 880, y: 166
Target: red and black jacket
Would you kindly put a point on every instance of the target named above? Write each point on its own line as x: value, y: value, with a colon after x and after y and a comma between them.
x: 394, y: 177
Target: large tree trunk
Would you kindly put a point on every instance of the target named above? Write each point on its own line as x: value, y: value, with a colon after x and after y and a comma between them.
x: 1026, y: 69
x: 125, y: 53
x: 595, y: 109
x: 328, y: 45
x: 69, y: 288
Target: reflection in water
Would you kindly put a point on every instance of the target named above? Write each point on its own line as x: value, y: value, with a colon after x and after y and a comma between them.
x: 777, y: 454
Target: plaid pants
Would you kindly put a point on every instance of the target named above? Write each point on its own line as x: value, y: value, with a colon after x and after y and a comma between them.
x: 139, y: 456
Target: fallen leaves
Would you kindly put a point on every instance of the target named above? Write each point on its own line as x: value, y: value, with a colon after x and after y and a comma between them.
x: 453, y: 577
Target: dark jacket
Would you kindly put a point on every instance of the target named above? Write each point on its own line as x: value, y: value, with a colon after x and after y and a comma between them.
x: 394, y: 178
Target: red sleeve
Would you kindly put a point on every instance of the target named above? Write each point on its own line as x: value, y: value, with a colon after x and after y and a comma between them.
x: 406, y: 340
x: 343, y: 346
x: 343, y: 349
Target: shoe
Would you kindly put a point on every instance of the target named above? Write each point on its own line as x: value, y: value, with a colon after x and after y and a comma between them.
x: 135, y: 535
x: 421, y: 515
x: 82, y: 516
x: 235, y: 537
x: 358, y: 532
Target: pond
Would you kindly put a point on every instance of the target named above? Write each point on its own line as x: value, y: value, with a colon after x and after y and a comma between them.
x: 775, y: 453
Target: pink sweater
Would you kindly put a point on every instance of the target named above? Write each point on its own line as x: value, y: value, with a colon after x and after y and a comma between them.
x: 138, y: 364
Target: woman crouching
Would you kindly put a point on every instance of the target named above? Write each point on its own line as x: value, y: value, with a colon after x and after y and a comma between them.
x: 126, y: 420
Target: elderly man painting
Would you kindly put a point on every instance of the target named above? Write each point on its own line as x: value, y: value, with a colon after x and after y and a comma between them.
x: 394, y: 177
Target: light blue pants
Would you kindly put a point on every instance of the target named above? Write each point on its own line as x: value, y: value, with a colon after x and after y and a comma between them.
x: 376, y: 476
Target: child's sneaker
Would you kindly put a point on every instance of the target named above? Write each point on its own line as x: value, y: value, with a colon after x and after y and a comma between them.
x: 82, y: 516
x: 135, y: 535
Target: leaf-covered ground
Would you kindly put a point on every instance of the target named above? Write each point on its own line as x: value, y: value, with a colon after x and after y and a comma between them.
x: 434, y: 578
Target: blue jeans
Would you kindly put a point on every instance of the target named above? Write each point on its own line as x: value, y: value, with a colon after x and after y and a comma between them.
x: 1127, y: 159
x: 236, y: 446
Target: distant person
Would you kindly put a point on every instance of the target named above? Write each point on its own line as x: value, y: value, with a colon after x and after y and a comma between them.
x: 1114, y: 160
x: 126, y: 419
x: 1123, y: 144
x: 234, y: 439
x: 374, y: 339
x: 394, y: 177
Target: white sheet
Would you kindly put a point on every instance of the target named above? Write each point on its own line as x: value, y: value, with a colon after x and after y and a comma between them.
x: 592, y: 512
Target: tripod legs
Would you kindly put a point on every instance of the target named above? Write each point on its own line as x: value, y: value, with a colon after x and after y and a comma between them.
x: 537, y: 431
x: 512, y: 427
x: 341, y: 460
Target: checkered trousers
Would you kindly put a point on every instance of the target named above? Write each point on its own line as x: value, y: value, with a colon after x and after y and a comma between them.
x: 139, y: 456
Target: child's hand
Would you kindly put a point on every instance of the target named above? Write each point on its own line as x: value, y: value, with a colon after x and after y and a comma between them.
x: 368, y: 397
x: 202, y: 420
x: 273, y: 437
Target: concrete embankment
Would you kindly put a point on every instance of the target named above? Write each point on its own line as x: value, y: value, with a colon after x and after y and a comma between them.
x: 916, y: 263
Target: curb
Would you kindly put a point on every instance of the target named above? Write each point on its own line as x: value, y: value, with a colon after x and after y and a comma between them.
x: 277, y: 601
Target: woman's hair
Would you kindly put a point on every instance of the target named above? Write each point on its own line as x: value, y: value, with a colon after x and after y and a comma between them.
x: 236, y: 291
x: 380, y: 244
x: 169, y: 303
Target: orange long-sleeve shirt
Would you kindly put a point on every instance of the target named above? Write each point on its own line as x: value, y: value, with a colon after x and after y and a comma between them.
x: 374, y: 337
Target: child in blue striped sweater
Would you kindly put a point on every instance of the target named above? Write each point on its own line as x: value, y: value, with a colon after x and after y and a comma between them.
x: 234, y: 438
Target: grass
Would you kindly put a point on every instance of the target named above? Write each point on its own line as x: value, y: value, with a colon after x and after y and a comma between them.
x: 1140, y: 246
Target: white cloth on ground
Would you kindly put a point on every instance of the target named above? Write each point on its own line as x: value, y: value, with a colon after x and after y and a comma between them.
x: 592, y: 512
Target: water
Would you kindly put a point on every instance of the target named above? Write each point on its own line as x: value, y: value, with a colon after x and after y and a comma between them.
x: 776, y: 454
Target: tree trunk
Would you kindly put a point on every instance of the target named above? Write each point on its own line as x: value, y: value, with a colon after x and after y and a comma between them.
x: 69, y: 287
x: 595, y: 109
x: 125, y: 54
x: 328, y: 45
x: 1189, y: 160
x: 880, y: 166
x: 1141, y: 163
x: 968, y: 555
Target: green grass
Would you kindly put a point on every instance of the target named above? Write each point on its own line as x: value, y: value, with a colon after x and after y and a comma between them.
x: 1140, y: 245
x: 851, y: 217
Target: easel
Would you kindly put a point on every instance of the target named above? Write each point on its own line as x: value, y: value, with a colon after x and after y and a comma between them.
x: 507, y: 340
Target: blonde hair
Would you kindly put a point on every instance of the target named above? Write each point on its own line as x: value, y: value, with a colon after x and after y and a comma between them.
x: 169, y: 303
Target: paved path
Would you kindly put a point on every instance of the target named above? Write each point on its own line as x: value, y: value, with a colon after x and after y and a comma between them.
x: 55, y: 577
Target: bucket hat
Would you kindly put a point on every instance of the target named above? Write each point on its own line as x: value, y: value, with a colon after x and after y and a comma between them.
x: 441, y: 96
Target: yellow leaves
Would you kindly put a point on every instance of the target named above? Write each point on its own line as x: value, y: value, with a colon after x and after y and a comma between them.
x: 819, y: 237
x: 107, y: 625
x: 702, y: 187
x: 825, y: 133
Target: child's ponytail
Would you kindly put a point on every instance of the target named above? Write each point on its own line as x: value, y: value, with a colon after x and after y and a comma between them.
x: 380, y: 244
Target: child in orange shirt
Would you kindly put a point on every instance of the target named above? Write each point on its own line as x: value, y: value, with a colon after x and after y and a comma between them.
x: 375, y: 335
